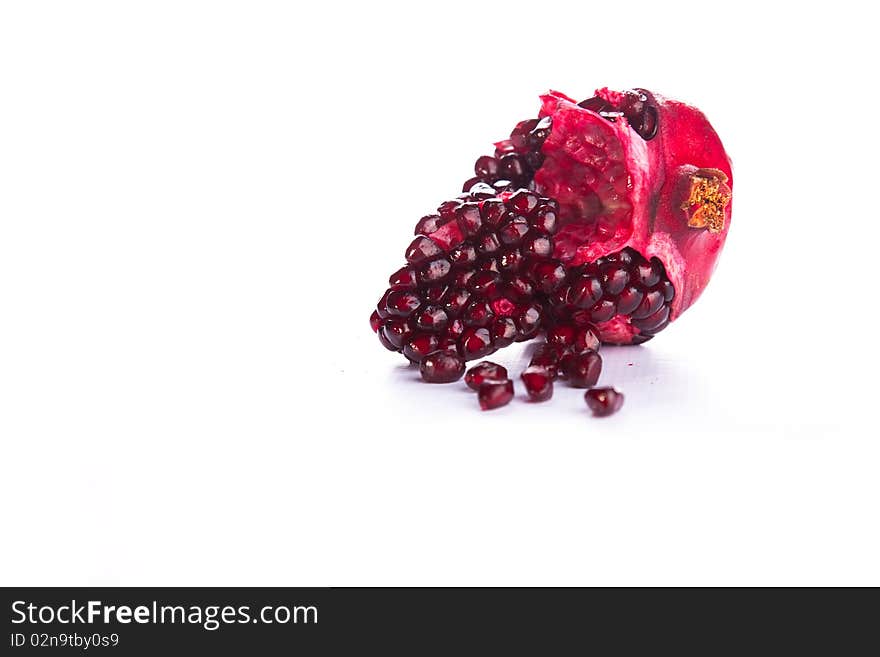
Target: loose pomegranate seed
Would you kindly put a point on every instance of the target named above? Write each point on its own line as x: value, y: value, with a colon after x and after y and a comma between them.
x: 538, y: 382
x: 603, y: 401
x: 582, y: 370
x: 484, y: 372
x: 441, y: 367
x: 548, y: 356
x: 493, y: 394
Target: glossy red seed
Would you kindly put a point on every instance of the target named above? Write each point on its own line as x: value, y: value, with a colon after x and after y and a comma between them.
x: 385, y: 342
x: 528, y: 321
x: 585, y: 292
x: 486, y: 167
x: 402, y: 303
x: 524, y: 201
x: 538, y: 382
x: 548, y: 275
x: 603, y: 401
x: 561, y: 335
x: 493, y: 212
x: 397, y: 331
x: 431, y: 318
x: 503, y: 331
x: 478, y: 313
x: 586, y: 338
x: 650, y: 304
x: 653, y: 321
x: 403, y: 279
x: 648, y: 274
x: 629, y: 300
x: 468, y: 218
x: 494, y: 394
x: 614, y: 280
x: 545, y: 220
x: 419, y: 346
x: 457, y: 301
x: 583, y: 370
x: 484, y: 283
x: 429, y: 224
x: 421, y: 249
x: 512, y: 232
x: 475, y: 342
x: 483, y: 372
x: 375, y: 322
x: 603, y: 311
x: 537, y: 245
x: 441, y: 367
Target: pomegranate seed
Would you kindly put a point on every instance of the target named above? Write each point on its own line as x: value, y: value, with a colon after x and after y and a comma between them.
x: 561, y: 335
x: 375, y: 322
x: 582, y: 370
x: 503, y: 332
x: 429, y: 224
x: 603, y: 401
x: 493, y: 394
x: 403, y: 279
x: 441, y: 367
x: 538, y: 382
x: 397, y: 331
x: 402, y: 303
x: 586, y: 338
x: 475, y: 343
x: 484, y: 372
x: 421, y: 249
x: 419, y: 346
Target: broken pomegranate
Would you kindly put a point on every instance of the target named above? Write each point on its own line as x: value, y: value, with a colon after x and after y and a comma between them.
x: 595, y: 222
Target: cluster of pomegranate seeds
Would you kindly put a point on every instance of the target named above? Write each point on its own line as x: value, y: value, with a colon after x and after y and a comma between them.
x: 621, y: 284
x: 516, y: 159
x: 603, y: 401
x: 635, y: 105
x: 475, y: 282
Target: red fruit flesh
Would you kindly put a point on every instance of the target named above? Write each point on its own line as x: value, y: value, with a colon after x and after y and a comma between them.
x: 603, y: 401
x: 493, y: 394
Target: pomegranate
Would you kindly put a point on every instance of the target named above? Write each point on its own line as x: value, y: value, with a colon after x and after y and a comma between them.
x: 637, y: 174
x: 599, y: 221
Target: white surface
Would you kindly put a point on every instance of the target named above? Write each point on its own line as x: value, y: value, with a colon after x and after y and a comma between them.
x: 181, y: 404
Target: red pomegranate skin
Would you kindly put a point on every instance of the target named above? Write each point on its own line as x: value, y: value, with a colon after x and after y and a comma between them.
x: 668, y: 197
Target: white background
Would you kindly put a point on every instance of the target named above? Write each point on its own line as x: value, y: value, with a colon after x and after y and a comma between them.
x: 201, y: 202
